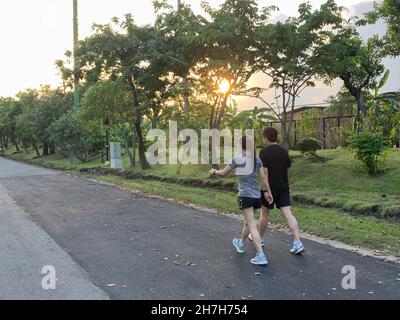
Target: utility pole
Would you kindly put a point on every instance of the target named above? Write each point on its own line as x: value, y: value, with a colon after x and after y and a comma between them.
x: 185, y: 82
x: 76, y: 60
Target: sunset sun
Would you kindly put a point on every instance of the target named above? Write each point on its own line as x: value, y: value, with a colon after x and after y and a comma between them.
x: 224, y: 87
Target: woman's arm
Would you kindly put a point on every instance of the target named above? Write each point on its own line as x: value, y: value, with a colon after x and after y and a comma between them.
x: 220, y: 173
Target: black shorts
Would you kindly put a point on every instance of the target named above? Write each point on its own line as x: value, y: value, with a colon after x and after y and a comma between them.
x: 281, y: 199
x: 245, y: 203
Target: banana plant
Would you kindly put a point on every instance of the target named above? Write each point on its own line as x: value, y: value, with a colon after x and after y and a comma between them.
x: 384, y: 109
x: 250, y: 119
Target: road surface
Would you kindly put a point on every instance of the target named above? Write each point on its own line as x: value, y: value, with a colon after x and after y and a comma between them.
x: 108, y: 243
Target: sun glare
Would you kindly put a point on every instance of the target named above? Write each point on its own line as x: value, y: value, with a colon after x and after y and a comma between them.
x: 224, y: 86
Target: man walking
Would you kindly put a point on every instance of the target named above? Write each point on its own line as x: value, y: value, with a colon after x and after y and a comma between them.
x: 276, y: 163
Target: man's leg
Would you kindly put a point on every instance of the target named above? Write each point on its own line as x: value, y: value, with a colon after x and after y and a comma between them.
x: 264, y: 221
x: 292, y: 222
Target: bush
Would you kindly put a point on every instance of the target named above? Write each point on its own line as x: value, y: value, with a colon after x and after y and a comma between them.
x: 71, y: 138
x: 368, y: 147
x: 309, y: 147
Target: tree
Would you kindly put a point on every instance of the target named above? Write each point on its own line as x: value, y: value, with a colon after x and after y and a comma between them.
x: 71, y: 137
x: 25, y: 129
x: 286, y: 54
x: 112, y: 101
x: 43, y: 107
x: 343, y: 54
x: 341, y: 104
x: 389, y: 11
x: 123, y: 50
x: 226, y: 67
x: 181, y: 47
x: 9, y: 110
x: 383, y: 109
x: 256, y: 118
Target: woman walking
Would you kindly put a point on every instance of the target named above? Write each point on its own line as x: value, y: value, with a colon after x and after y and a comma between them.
x: 249, y: 169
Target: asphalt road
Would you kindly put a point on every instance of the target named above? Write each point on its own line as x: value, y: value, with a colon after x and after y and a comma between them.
x: 108, y: 243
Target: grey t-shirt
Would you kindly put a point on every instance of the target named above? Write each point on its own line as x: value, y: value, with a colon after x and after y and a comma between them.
x: 249, y: 184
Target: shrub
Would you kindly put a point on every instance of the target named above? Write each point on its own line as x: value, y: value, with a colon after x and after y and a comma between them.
x: 71, y: 138
x: 309, y: 147
x: 368, y: 147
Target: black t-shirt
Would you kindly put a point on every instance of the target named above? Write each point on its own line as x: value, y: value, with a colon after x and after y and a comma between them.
x: 277, y: 160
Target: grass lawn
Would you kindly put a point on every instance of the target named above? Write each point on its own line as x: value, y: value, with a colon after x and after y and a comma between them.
x: 329, y: 188
x: 341, y: 182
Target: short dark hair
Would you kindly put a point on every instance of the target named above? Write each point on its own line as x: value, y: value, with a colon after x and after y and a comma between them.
x: 271, y: 134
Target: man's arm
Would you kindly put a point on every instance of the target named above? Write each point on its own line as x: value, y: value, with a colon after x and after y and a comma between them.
x: 266, y: 187
x: 289, y: 160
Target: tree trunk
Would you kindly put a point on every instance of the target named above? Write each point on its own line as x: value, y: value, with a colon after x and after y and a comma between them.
x: 126, y: 146
x: 14, y: 141
x: 138, y: 128
x: 16, y: 146
x: 291, y: 120
x: 285, y: 135
x: 361, y: 106
x: 52, y: 149
x: 186, y: 103
x: 25, y: 146
x: 134, y: 148
x: 45, y: 149
x: 142, y: 152
x: 36, y: 149
x: 361, y: 111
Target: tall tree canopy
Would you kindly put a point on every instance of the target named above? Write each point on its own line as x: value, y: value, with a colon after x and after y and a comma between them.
x: 389, y: 11
x: 124, y: 50
x: 229, y: 61
x: 343, y: 54
x: 286, y: 54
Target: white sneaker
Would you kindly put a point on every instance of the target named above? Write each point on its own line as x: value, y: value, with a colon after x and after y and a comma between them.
x: 297, y: 248
x: 260, y: 259
x: 238, y: 244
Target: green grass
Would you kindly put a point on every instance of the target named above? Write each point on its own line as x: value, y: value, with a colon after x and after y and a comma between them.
x: 340, y: 182
x: 56, y: 161
x: 330, y: 223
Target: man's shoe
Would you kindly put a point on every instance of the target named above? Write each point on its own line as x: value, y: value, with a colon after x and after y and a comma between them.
x: 260, y: 260
x: 297, y: 248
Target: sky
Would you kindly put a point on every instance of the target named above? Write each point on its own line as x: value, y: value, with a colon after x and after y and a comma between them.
x: 36, y: 33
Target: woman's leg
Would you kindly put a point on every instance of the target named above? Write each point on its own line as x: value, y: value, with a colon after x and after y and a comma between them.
x: 252, y: 226
x: 245, y: 231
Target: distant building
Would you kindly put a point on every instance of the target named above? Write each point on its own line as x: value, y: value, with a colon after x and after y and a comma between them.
x: 300, y: 110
